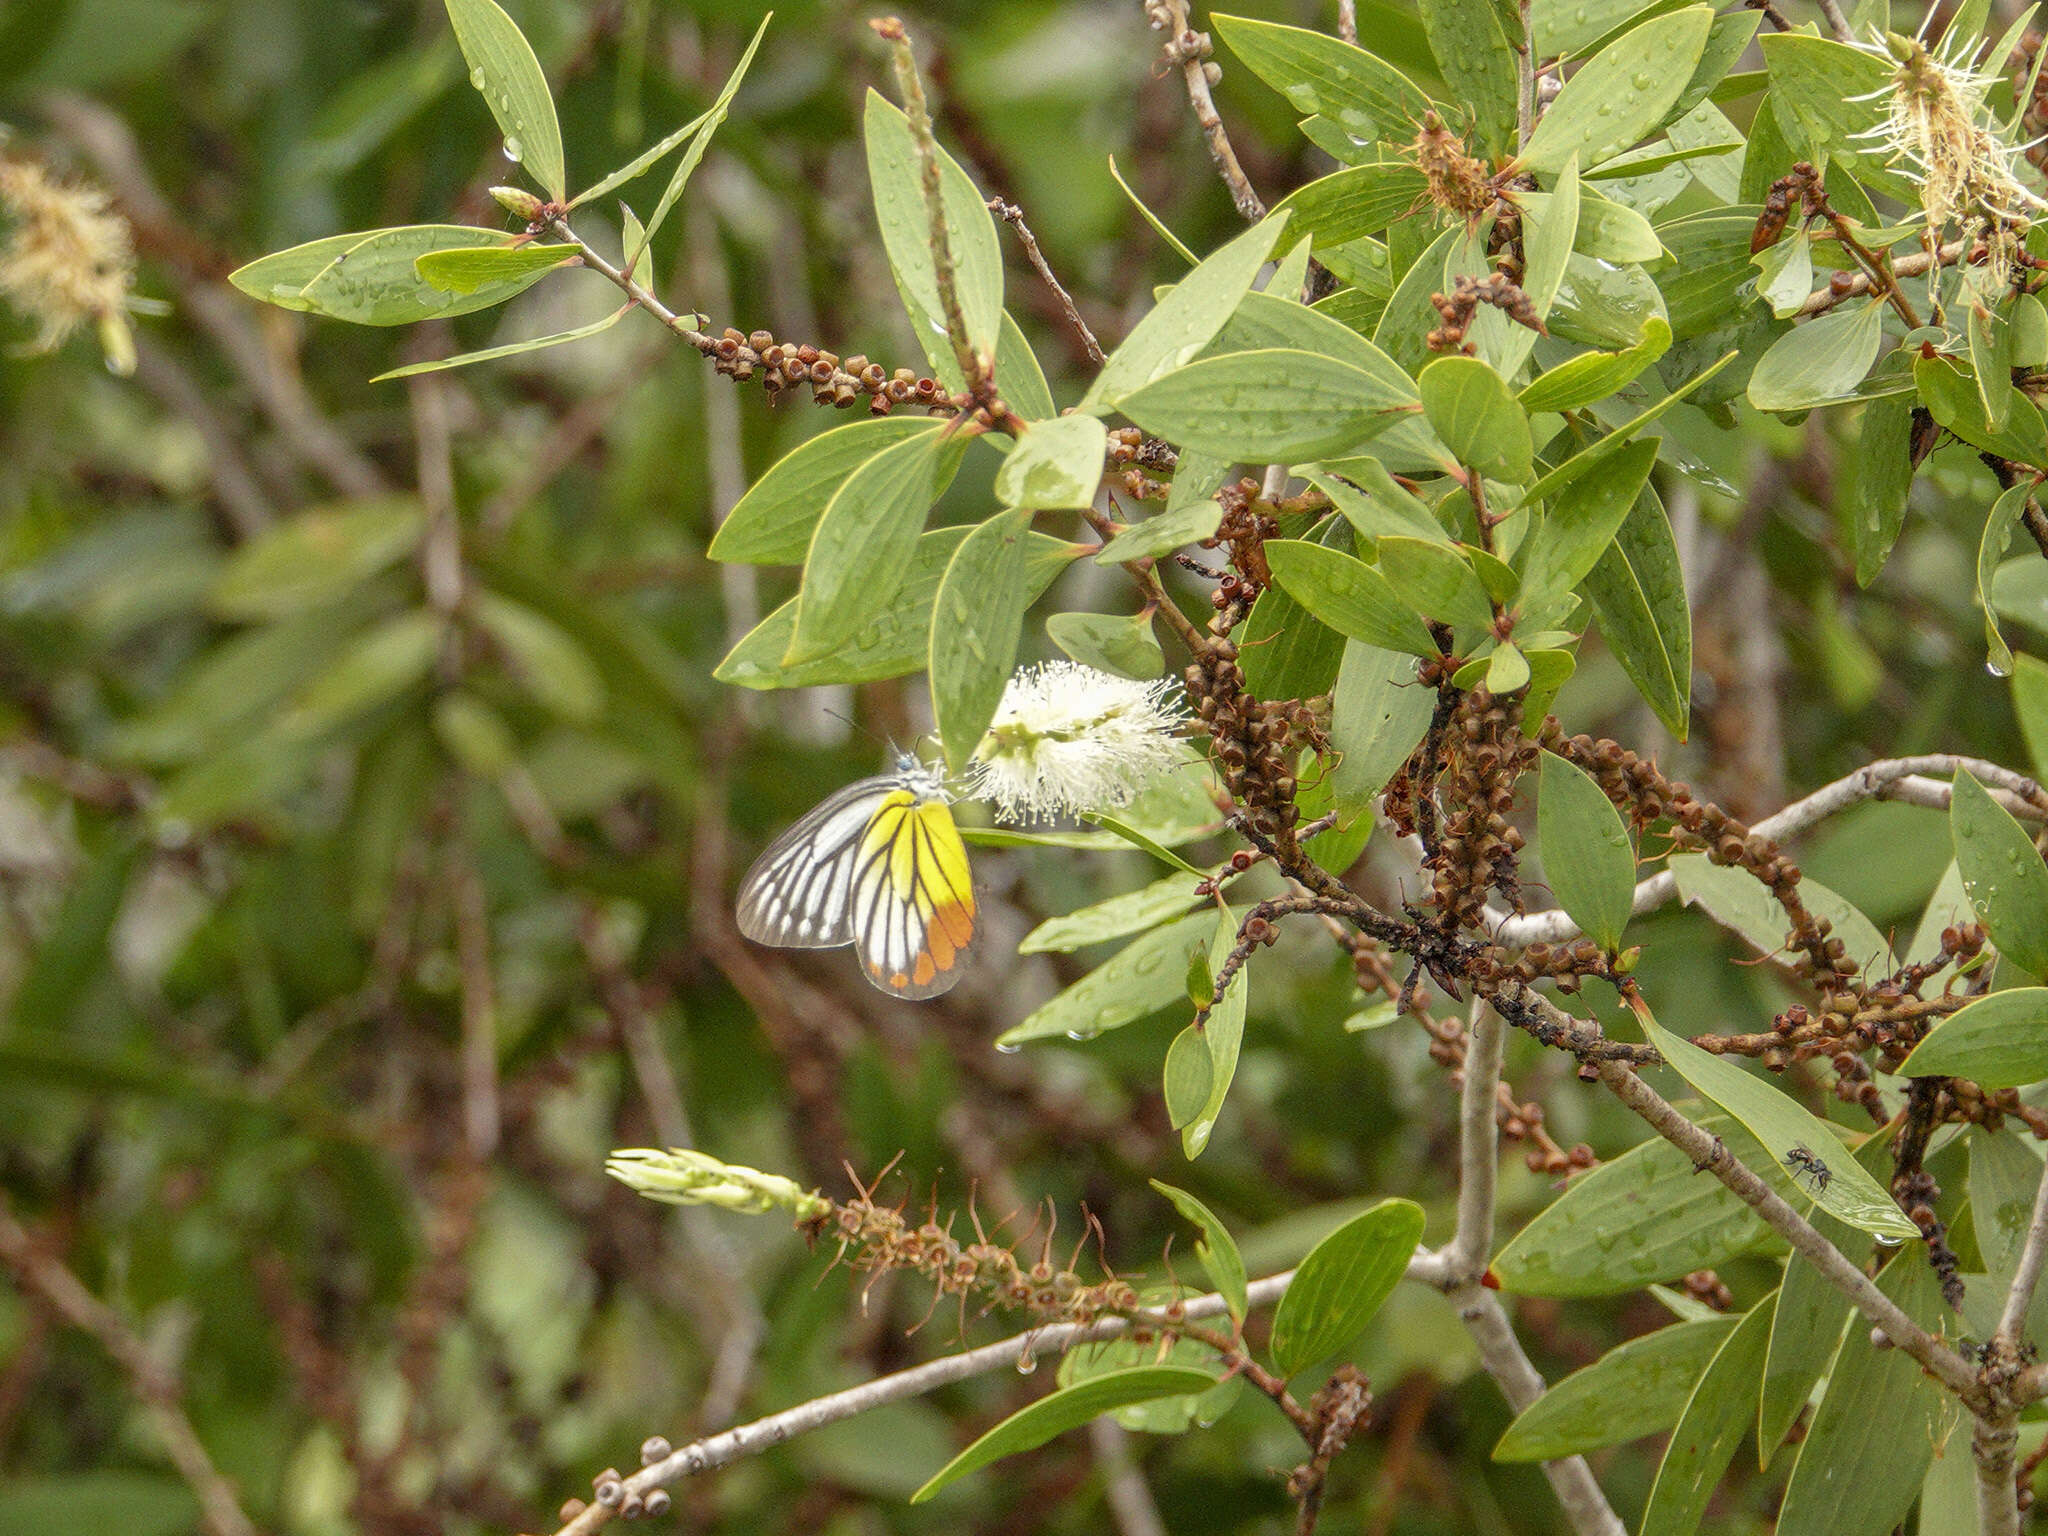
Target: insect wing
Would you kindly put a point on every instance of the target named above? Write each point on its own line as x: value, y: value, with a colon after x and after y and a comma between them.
x: 913, y: 897
x: 798, y: 892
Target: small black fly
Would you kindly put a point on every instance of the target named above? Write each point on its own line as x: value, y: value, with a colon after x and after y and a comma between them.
x: 1803, y: 1164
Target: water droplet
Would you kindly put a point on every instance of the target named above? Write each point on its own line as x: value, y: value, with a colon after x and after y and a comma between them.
x: 1082, y: 1034
x: 513, y: 150
x: 1026, y: 1363
x: 476, y: 78
x: 1996, y: 667
x: 1643, y: 82
x: 1008, y: 1047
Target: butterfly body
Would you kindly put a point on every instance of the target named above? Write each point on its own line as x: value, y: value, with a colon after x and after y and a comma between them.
x: 879, y: 865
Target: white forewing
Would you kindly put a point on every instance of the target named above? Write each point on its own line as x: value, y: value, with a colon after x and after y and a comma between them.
x: 798, y: 893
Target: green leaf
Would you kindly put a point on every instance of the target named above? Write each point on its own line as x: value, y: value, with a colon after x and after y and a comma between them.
x: 896, y: 181
x: 1819, y: 362
x: 1341, y: 1284
x: 1781, y: 1124
x: 1593, y: 1241
x: 975, y: 621
x: 1568, y: 28
x: 2004, y: 875
x: 1736, y: 899
x: 556, y: 670
x: 1637, y: 589
x: 1137, y: 981
x: 1162, y: 1415
x: 1269, y: 406
x: 1587, y: 857
x: 1477, y: 64
x: 701, y: 127
x: 1785, y: 273
x: 1999, y: 1041
x: 1217, y: 1252
x: 1361, y: 200
x: 1586, y: 458
x: 1990, y: 338
x: 1998, y: 526
x: 1826, y: 97
x: 1180, y: 325
x: 772, y: 524
x: 2005, y: 1178
x: 895, y: 639
x: 1580, y: 526
x: 1707, y: 1433
x: 1288, y: 652
x: 1949, y: 391
x: 1263, y: 322
x: 369, y: 277
x: 1223, y: 1032
x: 1877, y: 1425
x: 1142, y: 841
x: 1375, y: 505
x: 862, y: 545
x: 1022, y: 380
x: 469, y: 269
x: 1475, y: 413
x: 1319, y: 74
x: 1880, y: 482
x: 1593, y: 376
x: 507, y: 75
x: 315, y: 558
x: 1348, y: 595
x: 1068, y: 1408
x: 1621, y: 94
x: 1055, y: 464
x: 510, y: 349
x: 1549, y: 233
x: 2030, y: 704
x: 1438, y: 582
x: 374, y: 670
x: 1116, y: 918
x: 1606, y: 230
x: 1379, y: 713
x: 1111, y: 642
x: 134, y: 1503
x: 1173, y: 241
x: 1187, y: 1077
x: 1175, y: 528
x: 1805, y: 1330
x: 1635, y: 1389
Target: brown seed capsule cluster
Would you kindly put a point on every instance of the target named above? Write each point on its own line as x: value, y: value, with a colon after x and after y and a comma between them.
x: 1250, y: 740
x: 2033, y: 121
x: 876, y: 1238
x: 1645, y: 796
x: 1475, y: 847
x: 1801, y: 189
x: 1459, y: 306
x: 1247, y: 524
x: 830, y: 379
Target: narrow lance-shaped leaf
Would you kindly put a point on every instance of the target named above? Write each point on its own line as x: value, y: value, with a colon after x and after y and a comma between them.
x: 1587, y: 857
x: 1348, y: 595
x: 1475, y: 414
x: 1140, y: 979
x: 1999, y: 1041
x: 896, y: 180
x: 1637, y: 1388
x: 1223, y: 1034
x: 772, y: 524
x: 975, y: 621
x: 862, y: 545
x: 1341, y: 1284
x: 700, y: 141
x: 1217, y: 1251
x: 1273, y: 405
x: 1820, y: 361
x: 1318, y: 73
x: 1704, y: 1441
x: 2003, y: 874
x: 1782, y: 1125
x: 510, y: 349
x: 1068, y: 1408
x: 1880, y: 481
x: 508, y: 77
x: 369, y: 278
x: 1621, y: 94
x: 1998, y: 526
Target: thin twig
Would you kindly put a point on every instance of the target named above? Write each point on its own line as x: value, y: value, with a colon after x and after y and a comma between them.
x: 1712, y: 1155
x: 480, y: 1118
x: 1478, y: 1145
x: 1824, y: 299
x: 1838, y: 23
x: 220, y: 1507
x: 1189, y: 51
x: 1347, y: 21
x: 2033, y: 1255
x: 973, y: 366
x: 1899, y: 778
x: 1013, y: 216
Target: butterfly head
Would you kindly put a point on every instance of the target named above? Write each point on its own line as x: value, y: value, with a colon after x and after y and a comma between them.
x: 920, y: 778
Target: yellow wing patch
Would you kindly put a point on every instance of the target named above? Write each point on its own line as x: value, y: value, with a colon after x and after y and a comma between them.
x: 913, y: 897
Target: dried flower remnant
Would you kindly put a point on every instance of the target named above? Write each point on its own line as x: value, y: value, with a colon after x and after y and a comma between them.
x: 68, y: 258
x: 1067, y: 739
x: 1935, y: 129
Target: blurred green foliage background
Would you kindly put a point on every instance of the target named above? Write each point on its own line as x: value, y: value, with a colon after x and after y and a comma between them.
x: 336, y: 954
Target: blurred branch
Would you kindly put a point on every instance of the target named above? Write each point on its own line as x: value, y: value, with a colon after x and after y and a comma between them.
x: 1898, y: 778
x: 1013, y: 216
x: 44, y: 1276
x: 1123, y: 1484
x: 109, y: 144
x: 480, y: 1118
x: 242, y: 500
x: 573, y: 433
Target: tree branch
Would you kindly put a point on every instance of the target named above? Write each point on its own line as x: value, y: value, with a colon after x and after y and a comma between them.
x: 1189, y: 51
x: 1898, y: 778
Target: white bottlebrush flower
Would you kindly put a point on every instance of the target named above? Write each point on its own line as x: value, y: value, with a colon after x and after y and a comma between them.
x: 1937, y: 130
x: 68, y: 260
x: 1068, y: 739
x: 681, y: 1176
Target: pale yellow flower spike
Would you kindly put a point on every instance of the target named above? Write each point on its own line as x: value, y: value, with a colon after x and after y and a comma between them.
x: 68, y: 259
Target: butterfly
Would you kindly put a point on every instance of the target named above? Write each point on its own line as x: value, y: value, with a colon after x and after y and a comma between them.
x: 879, y: 865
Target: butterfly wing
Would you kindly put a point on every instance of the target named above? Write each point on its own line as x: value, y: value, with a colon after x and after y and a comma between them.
x: 912, y: 910
x: 798, y: 893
